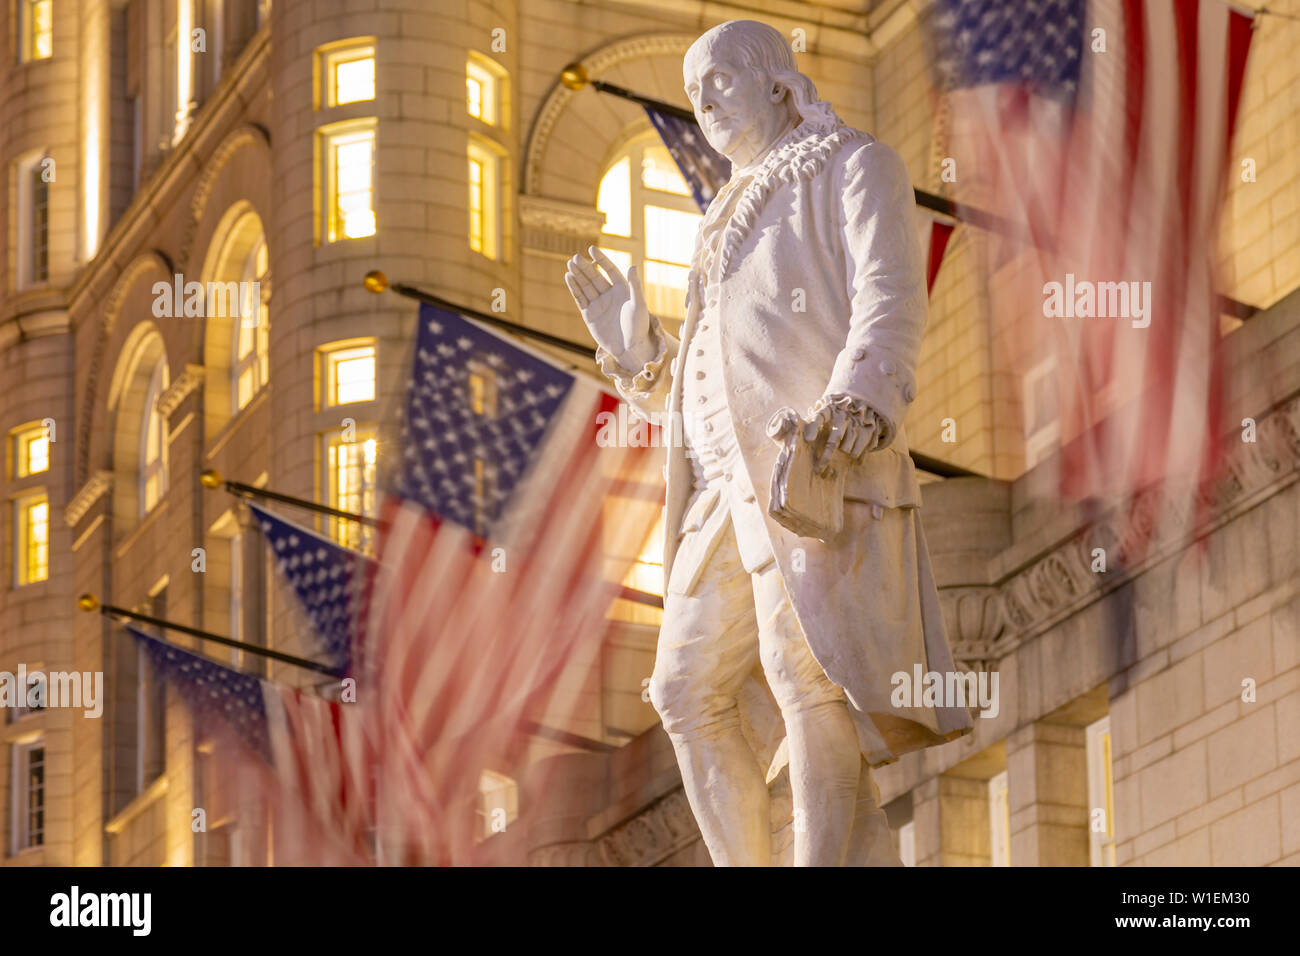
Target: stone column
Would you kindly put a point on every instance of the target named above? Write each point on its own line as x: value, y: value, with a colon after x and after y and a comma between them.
x: 1047, y: 780
x: 950, y: 816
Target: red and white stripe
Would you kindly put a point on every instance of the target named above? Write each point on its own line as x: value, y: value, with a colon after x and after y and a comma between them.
x: 461, y: 654
x: 1127, y: 187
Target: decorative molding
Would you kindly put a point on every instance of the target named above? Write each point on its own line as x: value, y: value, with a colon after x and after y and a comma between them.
x: 100, y: 484
x: 1136, y: 536
x: 557, y: 227
x: 656, y: 833
x: 597, y: 64
x: 112, y: 306
x: 563, y: 854
x: 249, y: 134
x: 179, y: 390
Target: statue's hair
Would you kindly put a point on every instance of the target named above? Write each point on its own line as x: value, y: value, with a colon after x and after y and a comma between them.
x: 761, y: 48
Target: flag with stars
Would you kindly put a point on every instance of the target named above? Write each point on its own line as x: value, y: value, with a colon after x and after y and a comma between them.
x: 502, y: 552
x: 294, y: 754
x: 1101, y: 129
x: 705, y: 169
x: 328, y: 579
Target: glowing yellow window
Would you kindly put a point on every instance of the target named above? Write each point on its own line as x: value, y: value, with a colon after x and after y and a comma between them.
x: 37, y: 29
x: 33, y: 539
x: 346, y: 72
x: 349, y: 173
x: 650, y: 220
x: 350, y: 375
x: 31, y: 451
x: 484, y: 89
x: 351, y: 475
x: 484, y: 202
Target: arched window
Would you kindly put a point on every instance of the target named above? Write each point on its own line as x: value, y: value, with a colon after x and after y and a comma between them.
x: 650, y: 221
x: 250, y: 368
x: 153, y: 442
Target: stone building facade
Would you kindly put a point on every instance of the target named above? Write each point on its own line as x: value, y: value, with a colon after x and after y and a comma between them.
x: 296, y: 145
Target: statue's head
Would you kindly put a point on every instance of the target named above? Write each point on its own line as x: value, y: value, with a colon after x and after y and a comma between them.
x: 746, y: 89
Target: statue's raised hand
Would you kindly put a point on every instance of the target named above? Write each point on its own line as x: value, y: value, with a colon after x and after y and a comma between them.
x: 612, y: 306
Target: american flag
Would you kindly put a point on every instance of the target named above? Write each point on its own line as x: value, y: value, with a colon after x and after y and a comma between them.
x: 328, y: 579
x: 1102, y: 130
x: 497, y: 573
x: 295, y: 753
x: 704, y: 168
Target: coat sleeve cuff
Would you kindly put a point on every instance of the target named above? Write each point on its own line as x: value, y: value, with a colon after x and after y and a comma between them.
x: 638, y: 384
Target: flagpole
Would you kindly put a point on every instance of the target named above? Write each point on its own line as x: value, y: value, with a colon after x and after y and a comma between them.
x: 88, y: 603
x: 211, y: 478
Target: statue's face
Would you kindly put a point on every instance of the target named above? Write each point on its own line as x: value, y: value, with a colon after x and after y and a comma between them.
x: 734, y: 104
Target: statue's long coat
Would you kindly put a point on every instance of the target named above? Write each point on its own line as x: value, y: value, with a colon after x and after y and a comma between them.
x: 831, y: 214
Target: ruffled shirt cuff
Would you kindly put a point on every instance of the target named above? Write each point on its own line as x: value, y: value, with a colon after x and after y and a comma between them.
x: 641, y: 382
x: 866, y: 416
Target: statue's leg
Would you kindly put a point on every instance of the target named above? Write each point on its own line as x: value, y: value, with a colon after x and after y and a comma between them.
x: 708, y: 645
x: 823, y: 743
x: 871, y: 843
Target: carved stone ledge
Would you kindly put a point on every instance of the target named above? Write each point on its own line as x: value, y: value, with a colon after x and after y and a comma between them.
x: 558, y: 228
x: 179, y: 390
x: 653, y: 835
x: 100, y: 483
x: 1145, y: 530
x: 975, y: 625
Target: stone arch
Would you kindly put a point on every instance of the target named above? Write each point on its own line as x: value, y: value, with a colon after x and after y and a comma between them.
x: 152, y: 266
x: 649, y: 64
x: 240, y: 167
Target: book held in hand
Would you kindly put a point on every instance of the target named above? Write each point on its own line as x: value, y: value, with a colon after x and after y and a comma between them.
x: 809, y: 503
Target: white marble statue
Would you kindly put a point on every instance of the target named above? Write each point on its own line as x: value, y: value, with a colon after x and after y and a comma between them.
x: 806, y: 291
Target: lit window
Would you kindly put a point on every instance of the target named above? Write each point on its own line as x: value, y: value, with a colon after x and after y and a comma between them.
x: 645, y: 573
x: 498, y: 803
x: 999, y: 821
x: 28, y: 796
x: 349, y: 374
x: 31, y: 451
x: 907, y: 843
x: 33, y: 220
x: 153, y: 443
x: 1101, y: 793
x: 484, y: 90
x: 346, y: 72
x: 36, y: 29
x: 349, y: 174
x: 32, y: 560
x: 252, y: 347
x: 351, y: 481
x: 1042, y: 418
x: 650, y: 220
x: 484, y: 178
x: 482, y: 389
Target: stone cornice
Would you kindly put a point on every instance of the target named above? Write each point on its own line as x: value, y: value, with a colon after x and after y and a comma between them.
x: 100, y: 483
x: 987, y: 624
x: 174, y: 394
x: 557, y: 227
x: 650, y: 837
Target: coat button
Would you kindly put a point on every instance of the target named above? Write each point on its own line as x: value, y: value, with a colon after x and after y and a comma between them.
x: 708, y: 426
x: 699, y: 375
x: 859, y: 354
x: 888, y: 367
x: 909, y: 392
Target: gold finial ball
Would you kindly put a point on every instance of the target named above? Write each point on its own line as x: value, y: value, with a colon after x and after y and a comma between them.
x: 88, y: 602
x: 375, y: 281
x: 210, y: 478
x: 574, y: 76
